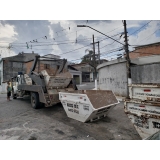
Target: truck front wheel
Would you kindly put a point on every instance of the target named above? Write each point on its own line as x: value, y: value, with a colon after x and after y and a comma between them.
x: 14, y: 96
x: 35, y: 100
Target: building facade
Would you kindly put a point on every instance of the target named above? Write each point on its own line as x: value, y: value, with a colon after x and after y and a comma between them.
x: 86, y: 70
x: 145, y: 50
x: 10, y: 66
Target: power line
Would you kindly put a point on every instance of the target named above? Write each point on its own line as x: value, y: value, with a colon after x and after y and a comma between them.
x: 146, y: 37
x: 140, y: 28
x: 36, y: 45
x: 109, y: 44
x: 150, y: 35
x: 106, y: 52
x: 74, y: 50
x: 113, y: 50
x: 69, y: 33
x: 70, y: 41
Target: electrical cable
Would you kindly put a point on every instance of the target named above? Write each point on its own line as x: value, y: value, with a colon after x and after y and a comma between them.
x: 34, y: 45
x: 73, y: 32
x: 146, y: 37
x: 140, y: 28
x: 74, y: 50
x: 106, y: 52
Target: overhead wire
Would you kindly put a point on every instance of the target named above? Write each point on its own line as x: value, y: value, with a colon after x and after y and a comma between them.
x: 75, y: 49
x: 140, y: 28
x: 106, y: 52
x: 66, y: 43
x: 34, y: 45
x: 73, y: 32
x: 146, y: 37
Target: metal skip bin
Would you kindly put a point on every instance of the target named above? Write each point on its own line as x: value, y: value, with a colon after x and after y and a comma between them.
x: 145, y: 116
x: 88, y: 105
x: 145, y: 92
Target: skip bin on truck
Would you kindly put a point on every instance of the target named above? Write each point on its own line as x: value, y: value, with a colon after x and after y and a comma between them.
x: 48, y: 90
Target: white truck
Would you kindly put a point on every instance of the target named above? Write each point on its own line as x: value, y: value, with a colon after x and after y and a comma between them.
x: 143, y: 108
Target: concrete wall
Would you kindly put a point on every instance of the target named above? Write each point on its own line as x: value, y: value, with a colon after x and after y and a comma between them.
x: 148, y: 73
x: 91, y: 76
x: 0, y: 76
x: 3, y: 88
x: 113, y: 76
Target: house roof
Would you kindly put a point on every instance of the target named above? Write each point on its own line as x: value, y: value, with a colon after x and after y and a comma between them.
x: 52, y: 56
x: 147, y: 45
x: 80, y: 64
x: 21, y: 57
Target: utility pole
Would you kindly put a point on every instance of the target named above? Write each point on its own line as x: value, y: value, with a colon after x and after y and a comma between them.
x: 94, y: 61
x: 99, y: 53
x: 127, y: 56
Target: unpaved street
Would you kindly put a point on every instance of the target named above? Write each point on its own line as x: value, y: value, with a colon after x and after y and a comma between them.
x: 18, y: 120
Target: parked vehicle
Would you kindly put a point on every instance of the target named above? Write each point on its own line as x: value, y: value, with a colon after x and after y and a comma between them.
x: 146, y: 92
x: 143, y: 108
x: 155, y: 136
x: 42, y: 87
x: 48, y: 90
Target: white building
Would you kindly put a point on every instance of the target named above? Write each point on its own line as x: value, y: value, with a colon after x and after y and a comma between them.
x: 2, y: 85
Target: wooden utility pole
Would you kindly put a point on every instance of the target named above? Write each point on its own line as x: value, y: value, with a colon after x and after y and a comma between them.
x: 127, y: 56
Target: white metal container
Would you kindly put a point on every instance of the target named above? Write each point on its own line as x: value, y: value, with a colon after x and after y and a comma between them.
x: 88, y: 105
x: 145, y: 126
x: 55, y: 81
x: 144, y: 92
x: 145, y: 116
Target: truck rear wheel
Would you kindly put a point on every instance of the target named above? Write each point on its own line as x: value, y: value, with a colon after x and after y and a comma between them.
x: 35, y: 100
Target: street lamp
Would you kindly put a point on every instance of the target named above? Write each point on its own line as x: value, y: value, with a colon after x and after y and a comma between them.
x: 100, y: 32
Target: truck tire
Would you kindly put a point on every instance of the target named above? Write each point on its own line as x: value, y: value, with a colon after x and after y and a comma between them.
x: 35, y: 100
x: 14, y: 96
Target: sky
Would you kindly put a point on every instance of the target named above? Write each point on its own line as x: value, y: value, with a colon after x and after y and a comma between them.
x: 64, y: 38
x: 51, y: 28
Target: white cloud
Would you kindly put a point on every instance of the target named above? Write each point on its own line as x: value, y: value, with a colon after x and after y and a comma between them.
x: 6, y: 53
x: 146, y: 36
x: 7, y: 34
x: 7, y: 31
x: 108, y: 27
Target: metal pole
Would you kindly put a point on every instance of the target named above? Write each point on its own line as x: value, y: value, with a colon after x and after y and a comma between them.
x: 94, y: 57
x: 100, y: 32
x: 99, y: 53
x: 128, y: 58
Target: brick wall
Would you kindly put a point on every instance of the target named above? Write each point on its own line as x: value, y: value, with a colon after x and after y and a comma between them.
x: 50, y: 68
x: 145, y: 51
x: 28, y: 66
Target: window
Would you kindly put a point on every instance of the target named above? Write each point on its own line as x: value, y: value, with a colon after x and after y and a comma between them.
x: 46, y: 66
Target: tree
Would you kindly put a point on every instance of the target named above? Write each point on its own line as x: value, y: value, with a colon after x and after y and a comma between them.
x: 90, y: 59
